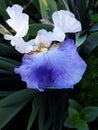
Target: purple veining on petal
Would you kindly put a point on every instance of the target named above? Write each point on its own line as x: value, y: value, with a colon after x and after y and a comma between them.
x: 59, y: 68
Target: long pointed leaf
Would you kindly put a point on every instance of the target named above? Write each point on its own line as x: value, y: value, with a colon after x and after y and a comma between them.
x: 42, y: 111
x: 89, y: 45
x: 44, y: 8
x: 11, y: 105
x: 6, y: 93
x: 35, y: 108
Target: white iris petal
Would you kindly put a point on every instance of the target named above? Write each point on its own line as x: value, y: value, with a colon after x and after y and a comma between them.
x: 45, y: 38
x: 25, y: 47
x: 42, y: 38
x: 66, y: 21
x: 20, y: 23
x: 18, y: 20
x: 58, y: 35
x: 20, y: 45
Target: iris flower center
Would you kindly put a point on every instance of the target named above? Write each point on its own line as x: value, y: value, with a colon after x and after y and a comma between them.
x: 43, y: 48
x: 53, y: 45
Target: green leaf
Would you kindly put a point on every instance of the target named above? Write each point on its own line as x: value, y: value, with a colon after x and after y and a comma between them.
x: 73, y: 113
x: 52, y: 110
x: 65, y: 2
x: 52, y: 6
x: 5, y: 50
x: 80, y: 39
x: 72, y: 5
x: 8, y: 64
x: 94, y: 17
x: 74, y: 120
x: 39, y: 108
x: 48, y: 124
x: 6, y: 93
x: 44, y: 9
x: 35, y: 3
x: 81, y: 8
x: 34, y: 28
x: 81, y: 125
x: 47, y: 7
x: 5, y: 72
x: 42, y: 111
x: 94, y: 27
x: 89, y: 113
x: 3, y: 9
x: 35, y: 108
x: 89, y: 45
x: 3, y: 30
x: 73, y: 116
x: 74, y: 104
x: 11, y: 105
x: 9, y: 60
x: 69, y: 123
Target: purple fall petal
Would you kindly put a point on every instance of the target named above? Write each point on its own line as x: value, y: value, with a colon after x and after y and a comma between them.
x: 59, y: 68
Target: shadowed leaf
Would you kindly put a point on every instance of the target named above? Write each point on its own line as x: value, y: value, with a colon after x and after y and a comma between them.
x: 11, y: 105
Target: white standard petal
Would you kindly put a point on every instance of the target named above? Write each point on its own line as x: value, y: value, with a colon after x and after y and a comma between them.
x: 66, y: 21
x: 11, y: 10
x: 18, y: 20
x: 45, y: 38
x: 57, y: 35
x: 42, y: 38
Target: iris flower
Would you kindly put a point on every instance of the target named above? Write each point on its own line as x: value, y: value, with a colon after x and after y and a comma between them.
x: 48, y: 64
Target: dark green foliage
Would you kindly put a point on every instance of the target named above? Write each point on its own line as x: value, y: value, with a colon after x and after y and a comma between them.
x: 94, y: 27
x: 89, y: 113
x: 88, y: 87
x: 35, y: 27
x: 79, y: 117
x: 12, y: 104
x: 90, y: 43
x: 94, y: 18
x: 49, y: 110
x: 74, y: 120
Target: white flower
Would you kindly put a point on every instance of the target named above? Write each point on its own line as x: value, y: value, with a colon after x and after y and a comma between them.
x: 18, y: 20
x: 66, y: 21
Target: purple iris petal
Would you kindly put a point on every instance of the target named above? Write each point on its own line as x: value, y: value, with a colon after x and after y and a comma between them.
x: 59, y: 68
